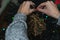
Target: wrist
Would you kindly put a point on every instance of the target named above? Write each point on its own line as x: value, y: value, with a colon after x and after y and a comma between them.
x: 57, y: 16
x: 21, y: 12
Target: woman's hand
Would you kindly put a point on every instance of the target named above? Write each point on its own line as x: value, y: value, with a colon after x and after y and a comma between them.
x: 25, y: 7
x: 49, y: 8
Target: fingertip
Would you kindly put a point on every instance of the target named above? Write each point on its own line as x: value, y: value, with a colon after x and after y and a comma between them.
x: 48, y: 1
x: 32, y: 3
x: 37, y: 8
x: 32, y: 10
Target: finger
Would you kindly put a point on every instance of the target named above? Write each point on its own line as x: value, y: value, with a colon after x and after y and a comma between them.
x: 53, y: 3
x: 22, y: 5
x: 32, y: 10
x: 41, y: 10
x: 49, y: 4
x: 31, y: 3
x: 42, y: 5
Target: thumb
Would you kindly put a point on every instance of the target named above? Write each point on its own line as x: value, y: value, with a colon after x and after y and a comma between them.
x: 32, y: 10
x: 41, y: 10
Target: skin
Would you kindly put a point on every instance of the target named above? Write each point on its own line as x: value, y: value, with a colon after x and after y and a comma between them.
x: 25, y: 8
x: 50, y: 9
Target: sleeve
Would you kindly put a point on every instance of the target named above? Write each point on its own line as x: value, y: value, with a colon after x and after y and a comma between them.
x: 58, y: 21
x: 17, y: 30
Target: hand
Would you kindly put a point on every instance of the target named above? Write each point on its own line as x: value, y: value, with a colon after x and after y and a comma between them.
x: 49, y: 8
x: 25, y: 7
